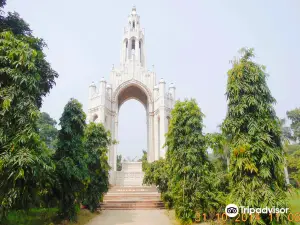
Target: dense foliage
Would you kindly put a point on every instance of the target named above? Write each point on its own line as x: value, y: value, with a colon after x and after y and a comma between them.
x: 70, y: 158
x: 156, y: 173
x: 191, y: 174
x: 220, y: 144
x: 96, y: 144
x: 294, y: 116
x: 293, y: 162
x: 47, y: 130
x: 25, y: 77
x: 256, y: 160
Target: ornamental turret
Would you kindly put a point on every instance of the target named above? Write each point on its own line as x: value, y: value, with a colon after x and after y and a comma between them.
x: 133, y: 41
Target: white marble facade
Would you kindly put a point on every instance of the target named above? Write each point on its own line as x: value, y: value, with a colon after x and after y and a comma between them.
x: 132, y: 80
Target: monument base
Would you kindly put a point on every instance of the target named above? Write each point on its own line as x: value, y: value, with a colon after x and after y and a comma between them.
x: 130, y: 175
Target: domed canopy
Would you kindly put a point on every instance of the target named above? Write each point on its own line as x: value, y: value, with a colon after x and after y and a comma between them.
x: 172, y: 85
x: 162, y: 80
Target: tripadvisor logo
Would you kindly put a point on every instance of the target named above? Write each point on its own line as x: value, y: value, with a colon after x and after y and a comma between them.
x: 231, y: 210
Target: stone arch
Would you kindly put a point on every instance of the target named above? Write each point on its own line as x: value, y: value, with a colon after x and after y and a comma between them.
x: 133, y: 89
x: 133, y: 83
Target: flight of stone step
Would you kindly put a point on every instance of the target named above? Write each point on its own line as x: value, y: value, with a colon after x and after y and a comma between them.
x: 130, y: 198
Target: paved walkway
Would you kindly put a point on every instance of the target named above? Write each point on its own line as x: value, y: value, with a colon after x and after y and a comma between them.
x: 131, y: 217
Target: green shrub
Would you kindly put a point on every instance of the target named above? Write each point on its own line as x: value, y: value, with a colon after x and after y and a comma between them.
x: 96, y: 144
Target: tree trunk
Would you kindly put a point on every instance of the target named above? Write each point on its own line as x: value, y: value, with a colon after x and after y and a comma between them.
x: 228, y: 163
x: 286, y: 173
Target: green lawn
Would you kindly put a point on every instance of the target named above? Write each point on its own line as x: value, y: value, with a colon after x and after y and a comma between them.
x: 33, y: 217
x: 295, y: 201
x: 45, y: 217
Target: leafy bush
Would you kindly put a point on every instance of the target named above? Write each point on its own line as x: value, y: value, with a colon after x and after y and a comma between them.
x: 70, y: 158
x: 156, y: 174
x: 96, y: 145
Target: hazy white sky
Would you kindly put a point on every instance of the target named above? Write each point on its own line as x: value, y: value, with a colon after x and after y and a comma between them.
x: 189, y: 42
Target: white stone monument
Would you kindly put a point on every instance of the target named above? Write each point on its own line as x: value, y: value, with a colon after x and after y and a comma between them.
x: 132, y: 81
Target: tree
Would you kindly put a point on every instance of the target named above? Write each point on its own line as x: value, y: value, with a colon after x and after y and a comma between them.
x: 286, y: 131
x: 96, y: 144
x: 286, y: 136
x: 25, y: 77
x: 70, y: 158
x: 144, y: 160
x: 293, y: 161
x: 220, y: 146
x: 47, y: 130
x: 294, y: 116
x: 119, y: 162
x: 257, y: 159
x: 46, y: 75
x: 24, y: 158
x: 2, y: 3
x: 190, y: 172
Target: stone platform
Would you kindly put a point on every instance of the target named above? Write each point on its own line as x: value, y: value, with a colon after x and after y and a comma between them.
x: 132, y: 198
x: 131, y: 175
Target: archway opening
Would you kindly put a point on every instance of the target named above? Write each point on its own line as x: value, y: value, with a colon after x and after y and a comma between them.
x: 132, y: 135
x: 132, y: 124
x: 132, y: 92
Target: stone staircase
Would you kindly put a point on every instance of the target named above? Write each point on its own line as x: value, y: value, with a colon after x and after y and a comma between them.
x: 131, y: 198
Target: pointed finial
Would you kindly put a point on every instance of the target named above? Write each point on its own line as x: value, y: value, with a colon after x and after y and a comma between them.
x: 113, y: 66
x: 133, y: 11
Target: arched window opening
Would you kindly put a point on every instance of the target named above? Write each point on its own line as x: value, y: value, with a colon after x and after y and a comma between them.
x: 126, y: 49
x: 133, y: 24
x: 105, y: 120
x: 133, y: 44
x: 140, y: 48
x: 95, y: 117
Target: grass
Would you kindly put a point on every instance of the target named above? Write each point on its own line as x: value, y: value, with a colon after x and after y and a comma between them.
x: 34, y: 216
x: 42, y: 216
x: 295, y: 201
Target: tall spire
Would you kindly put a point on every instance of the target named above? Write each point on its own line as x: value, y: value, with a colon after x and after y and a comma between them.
x: 133, y: 41
x: 133, y: 11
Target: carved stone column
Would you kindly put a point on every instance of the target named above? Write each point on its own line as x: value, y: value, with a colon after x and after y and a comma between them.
x: 151, y: 154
